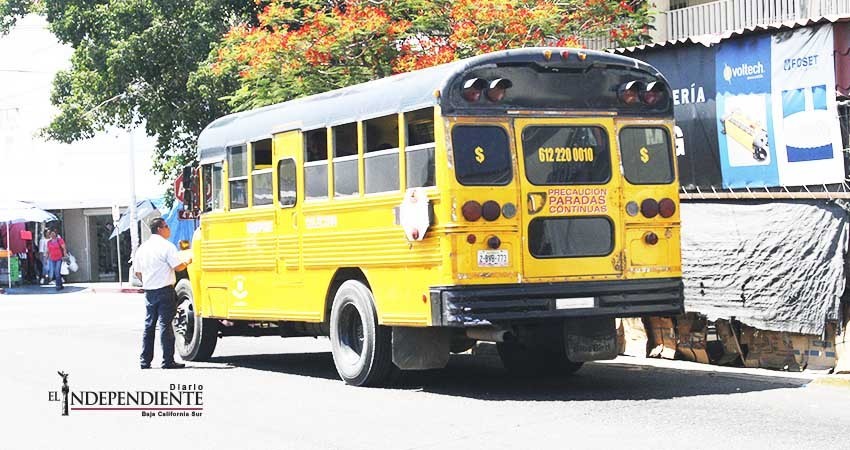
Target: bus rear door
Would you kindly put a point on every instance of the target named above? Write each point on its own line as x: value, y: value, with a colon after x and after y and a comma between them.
x: 571, y: 192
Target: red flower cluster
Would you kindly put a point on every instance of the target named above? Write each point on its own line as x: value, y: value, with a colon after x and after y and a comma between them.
x: 297, y: 50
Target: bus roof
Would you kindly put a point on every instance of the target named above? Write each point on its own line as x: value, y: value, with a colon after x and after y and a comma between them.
x: 398, y: 93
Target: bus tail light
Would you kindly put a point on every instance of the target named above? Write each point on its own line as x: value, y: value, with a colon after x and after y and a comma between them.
x: 632, y: 208
x: 509, y: 210
x: 629, y: 93
x: 472, y: 89
x: 471, y: 210
x: 498, y: 88
x: 666, y: 208
x: 650, y: 238
x: 653, y: 94
x: 494, y: 242
x: 490, y: 210
x: 649, y: 208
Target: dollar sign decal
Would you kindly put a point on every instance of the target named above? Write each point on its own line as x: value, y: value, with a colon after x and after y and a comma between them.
x: 644, y: 155
x: 479, y: 155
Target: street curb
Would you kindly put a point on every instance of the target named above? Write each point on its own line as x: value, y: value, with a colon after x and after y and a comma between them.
x: 842, y: 381
x: 116, y: 290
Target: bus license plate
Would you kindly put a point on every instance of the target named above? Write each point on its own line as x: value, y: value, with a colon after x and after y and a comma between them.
x: 492, y: 258
x: 575, y: 303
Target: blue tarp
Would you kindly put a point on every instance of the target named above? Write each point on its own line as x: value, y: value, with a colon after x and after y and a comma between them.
x: 180, y: 229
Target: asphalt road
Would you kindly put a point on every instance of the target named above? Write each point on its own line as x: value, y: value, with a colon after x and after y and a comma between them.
x: 278, y: 393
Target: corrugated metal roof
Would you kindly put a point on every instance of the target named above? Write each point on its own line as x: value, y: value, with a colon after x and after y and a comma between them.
x: 708, y: 40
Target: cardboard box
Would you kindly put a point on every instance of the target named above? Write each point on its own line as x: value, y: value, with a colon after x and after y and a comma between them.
x: 814, y: 353
x: 663, y: 338
x: 621, y: 337
x: 730, y: 351
x: 842, y: 344
x: 768, y: 349
x: 691, y: 331
x: 634, y: 337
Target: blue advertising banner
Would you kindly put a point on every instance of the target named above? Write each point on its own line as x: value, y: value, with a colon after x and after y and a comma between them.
x: 690, y: 73
x: 759, y: 110
x: 744, y: 113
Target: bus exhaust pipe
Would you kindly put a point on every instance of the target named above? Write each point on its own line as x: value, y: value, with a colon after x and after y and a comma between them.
x: 489, y: 334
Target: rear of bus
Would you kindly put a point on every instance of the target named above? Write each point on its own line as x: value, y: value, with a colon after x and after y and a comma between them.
x: 563, y: 207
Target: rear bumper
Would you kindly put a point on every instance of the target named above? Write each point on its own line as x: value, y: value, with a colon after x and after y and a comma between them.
x: 465, y: 306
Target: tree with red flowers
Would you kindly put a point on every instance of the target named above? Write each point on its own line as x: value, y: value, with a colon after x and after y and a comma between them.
x: 299, y: 48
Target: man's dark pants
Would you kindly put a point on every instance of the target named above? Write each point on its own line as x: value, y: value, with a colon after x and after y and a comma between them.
x: 161, y: 306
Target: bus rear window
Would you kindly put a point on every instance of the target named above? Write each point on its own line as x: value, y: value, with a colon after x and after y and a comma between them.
x: 556, y: 155
x: 570, y: 237
x: 482, y: 155
x: 646, y: 155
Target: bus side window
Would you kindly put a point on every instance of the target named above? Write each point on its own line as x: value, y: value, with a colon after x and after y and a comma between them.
x: 345, y: 160
x: 206, y: 188
x: 316, y: 164
x: 419, y: 152
x: 217, y: 187
x: 237, y: 164
x: 381, y: 155
x: 261, y: 175
x: 286, y: 174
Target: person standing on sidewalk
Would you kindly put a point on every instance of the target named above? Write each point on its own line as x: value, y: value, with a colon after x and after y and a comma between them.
x: 44, y: 257
x: 156, y: 261
x: 56, y: 252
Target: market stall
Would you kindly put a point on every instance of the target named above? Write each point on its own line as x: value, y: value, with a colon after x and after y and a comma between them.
x: 13, y: 212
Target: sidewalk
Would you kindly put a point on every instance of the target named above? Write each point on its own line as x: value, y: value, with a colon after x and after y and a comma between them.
x: 93, y: 288
x: 125, y: 288
x: 804, y: 378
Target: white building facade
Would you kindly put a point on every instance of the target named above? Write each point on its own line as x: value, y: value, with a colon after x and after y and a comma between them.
x: 80, y: 182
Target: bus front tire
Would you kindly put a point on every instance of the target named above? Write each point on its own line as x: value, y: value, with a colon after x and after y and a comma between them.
x: 195, y: 337
x: 362, y: 349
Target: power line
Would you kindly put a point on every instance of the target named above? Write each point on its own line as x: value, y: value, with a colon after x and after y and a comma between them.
x: 28, y: 71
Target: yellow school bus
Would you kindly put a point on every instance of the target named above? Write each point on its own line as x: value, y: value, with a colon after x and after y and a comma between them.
x: 525, y: 197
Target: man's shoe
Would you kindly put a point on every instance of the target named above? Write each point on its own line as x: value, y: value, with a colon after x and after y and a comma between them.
x: 145, y: 366
x: 173, y: 365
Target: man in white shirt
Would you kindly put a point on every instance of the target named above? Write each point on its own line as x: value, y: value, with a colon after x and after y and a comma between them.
x: 156, y: 261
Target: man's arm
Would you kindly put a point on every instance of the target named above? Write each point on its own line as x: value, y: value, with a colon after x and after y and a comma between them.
x: 173, y: 259
x: 183, y: 266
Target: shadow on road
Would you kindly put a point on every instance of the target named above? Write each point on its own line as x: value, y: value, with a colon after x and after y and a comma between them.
x: 47, y: 289
x: 483, y: 378
x: 316, y: 365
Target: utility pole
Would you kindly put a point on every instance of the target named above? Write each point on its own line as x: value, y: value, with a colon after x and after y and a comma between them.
x: 134, y: 227
x: 134, y: 230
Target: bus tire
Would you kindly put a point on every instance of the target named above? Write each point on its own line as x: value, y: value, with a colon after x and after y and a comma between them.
x: 526, y: 361
x: 362, y: 349
x: 195, y: 337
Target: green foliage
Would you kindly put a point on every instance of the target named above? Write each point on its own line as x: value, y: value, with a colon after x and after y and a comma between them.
x: 12, y: 10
